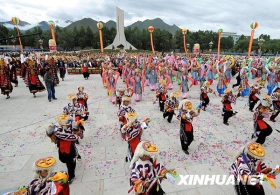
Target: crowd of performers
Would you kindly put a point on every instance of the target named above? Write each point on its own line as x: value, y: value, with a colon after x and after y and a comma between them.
x: 65, y: 134
x: 30, y: 67
x: 161, y: 74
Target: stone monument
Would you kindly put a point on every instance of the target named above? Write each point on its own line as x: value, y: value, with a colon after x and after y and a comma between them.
x: 120, y: 40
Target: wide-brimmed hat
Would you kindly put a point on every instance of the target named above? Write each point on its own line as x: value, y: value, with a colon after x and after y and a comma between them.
x: 175, y: 94
x: 228, y: 90
x: 255, y: 150
x: 45, y: 163
x: 72, y: 96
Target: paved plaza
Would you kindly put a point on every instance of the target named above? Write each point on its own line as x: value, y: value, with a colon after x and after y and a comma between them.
x: 103, y: 170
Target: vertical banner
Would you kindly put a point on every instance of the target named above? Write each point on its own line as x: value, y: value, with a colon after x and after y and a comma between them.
x: 52, y: 25
x: 184, y: 32
x: 220, y: 31
x: 151, y: 30
x: 16, y: 22
x: 100, y: 26
x: 253, y: 26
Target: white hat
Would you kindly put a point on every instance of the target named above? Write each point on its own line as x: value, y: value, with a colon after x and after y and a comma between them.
x: 142, y: 150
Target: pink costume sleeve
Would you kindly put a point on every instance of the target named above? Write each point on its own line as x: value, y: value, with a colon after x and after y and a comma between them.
x: 116, y: 79
x: 107, y: 83
x: 190, y: 66
x: 191, y: 80
x: 168, y: 80
x: 132, y: 92
x: 128, y: 76
x: 143, y: 83
x: 104, y: 76
x: 181, y: 82
x: 176, y: 64
x: 202, y: 72
x: 124, y: 72
x: 133, y: 83
x: 208, y: 68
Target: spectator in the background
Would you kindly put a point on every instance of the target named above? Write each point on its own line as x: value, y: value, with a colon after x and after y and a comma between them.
x: 49, y: 81
x: 62, y: 69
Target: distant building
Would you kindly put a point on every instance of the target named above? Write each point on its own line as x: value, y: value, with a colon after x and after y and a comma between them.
x: 235, y: 36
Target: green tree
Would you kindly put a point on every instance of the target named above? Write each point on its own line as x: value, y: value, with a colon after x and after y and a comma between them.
x: 89, y: 37
x: 4, y: 33
x: 242, y: 45
x: 82, y: 38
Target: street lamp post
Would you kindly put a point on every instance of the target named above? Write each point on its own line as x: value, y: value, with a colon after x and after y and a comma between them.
x: 188, y: 46
x: 210, y: 46
x: 41, y: 44
x: 260, y: 42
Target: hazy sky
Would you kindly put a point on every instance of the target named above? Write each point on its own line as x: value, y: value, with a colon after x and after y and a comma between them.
x: 231, y: 15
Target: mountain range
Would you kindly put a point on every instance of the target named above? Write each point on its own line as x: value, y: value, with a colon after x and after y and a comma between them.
x: 85, y: 22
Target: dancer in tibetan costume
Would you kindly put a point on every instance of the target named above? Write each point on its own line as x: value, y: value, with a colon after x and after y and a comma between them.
x: 161, y: 94
x: 126, y: 71
x: 138, y: 85
x: 186, y: 115
x: 85, y: 71
x: 111, y: 82
x: 23, y: 66
x: 104, y: 73
x: 34, y: 83
x: 272, y: 80
x: 172, y: 75
x: 194, y: 71
x: 255, y: 91
x: 228, y: 73
x: 244, y: 87
x: 147, y: 173
x: 152, y: 77
x: 210, y: 74
x: 249, y: 170
x: 262, y: 129
x: 12, y: 72
x: 170, y: 105
x: 133, y: 132
x: 53, y: 67
x: 184, y: 86
x: 62, y: 69
x: 119, y: 96
x: 5, y: 82
x: 75, y: 109
x: 131, y: 74
x: 275, y: 98
x: 205, y: 89
x: 82, y: 97
x: 222, y: 83
x: 46, y: 181
x: 124, y: 109
x: 64, y: 137
x: 227, y: 100
x: 163, y: 75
